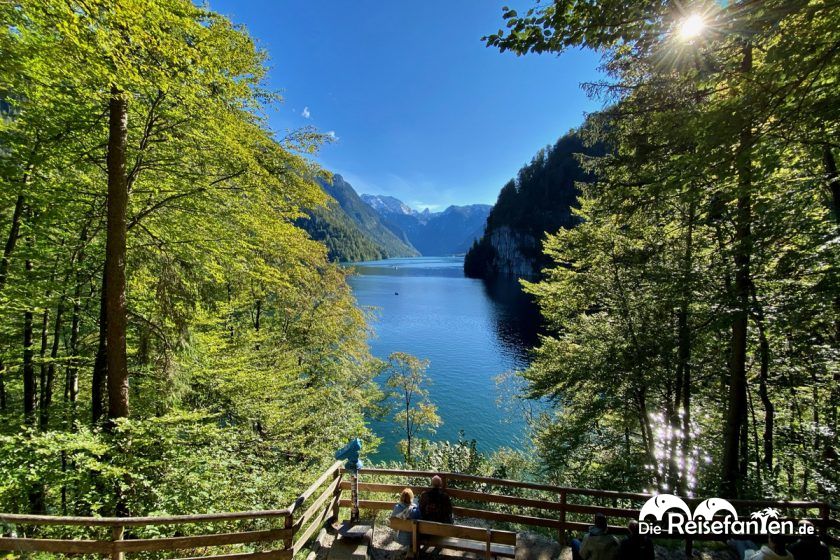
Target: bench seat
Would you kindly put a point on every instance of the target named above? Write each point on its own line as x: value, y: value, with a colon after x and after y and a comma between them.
x: 467, y: 545
x: 489, y: 543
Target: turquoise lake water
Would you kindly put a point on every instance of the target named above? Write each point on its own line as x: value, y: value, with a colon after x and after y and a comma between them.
x: 471, y: 332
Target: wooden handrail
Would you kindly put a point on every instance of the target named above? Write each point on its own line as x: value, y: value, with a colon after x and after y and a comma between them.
x: 561, y: 504
x: 118, y: 545
x: 330, y: 472
x: 25, y: 519
x: 788, y: 504
x: 295, y: 534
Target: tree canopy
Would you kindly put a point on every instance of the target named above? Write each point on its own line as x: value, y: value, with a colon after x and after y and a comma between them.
x: 695, y: 311
x: 245, y: 356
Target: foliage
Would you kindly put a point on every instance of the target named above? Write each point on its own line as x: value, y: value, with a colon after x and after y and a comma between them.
x: 694, y: 311
x: 352, y: 230
x: 247, y: 354
x: 407, y: 379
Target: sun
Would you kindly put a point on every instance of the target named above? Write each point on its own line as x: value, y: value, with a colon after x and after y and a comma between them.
x: 692, y: 26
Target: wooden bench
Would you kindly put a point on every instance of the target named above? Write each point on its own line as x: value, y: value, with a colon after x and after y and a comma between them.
x: 490, y: 543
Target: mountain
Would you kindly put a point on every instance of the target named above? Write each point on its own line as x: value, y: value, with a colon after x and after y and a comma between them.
x: 539, y: 200
x: 352, y: 230
x: 450, y: 232
x: 387, y: 204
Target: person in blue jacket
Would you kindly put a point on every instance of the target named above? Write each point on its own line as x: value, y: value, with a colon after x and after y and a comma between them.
x: 405, y: 509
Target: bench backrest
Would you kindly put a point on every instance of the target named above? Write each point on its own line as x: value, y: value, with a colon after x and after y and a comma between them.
x: 431, y: 528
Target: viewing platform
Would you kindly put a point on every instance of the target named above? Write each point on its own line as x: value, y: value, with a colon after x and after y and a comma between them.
x: 493, y: 517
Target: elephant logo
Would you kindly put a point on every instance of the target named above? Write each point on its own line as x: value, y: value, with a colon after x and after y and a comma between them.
x: 658, y: 505
x: 708, y: 508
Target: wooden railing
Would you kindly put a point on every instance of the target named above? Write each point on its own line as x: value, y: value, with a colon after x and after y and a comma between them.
x: 557, y: 508
x: 294, y: 533
x: 509, y: 502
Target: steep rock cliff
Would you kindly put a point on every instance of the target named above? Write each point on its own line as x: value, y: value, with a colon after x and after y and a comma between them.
x: 539, y: 200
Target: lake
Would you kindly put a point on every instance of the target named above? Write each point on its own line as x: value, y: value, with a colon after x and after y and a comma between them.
x: 471, y: 332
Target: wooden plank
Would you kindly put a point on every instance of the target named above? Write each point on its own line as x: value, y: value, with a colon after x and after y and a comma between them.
x: 608, y: 511
x: 583, y: 491
x: 24, y: 544
x: 472, y: 513
x: 219, y: 539
x: 464, y: 477
x: 23, y: 519
x: 315, y: 485
x: 317, y: 504
x: 466, y: 545
x: 400, y: 524
x: 385, y: 488
x: 316, y: 524
x: 456, y: 531
x: 368, y: 504
x: 507, y: 517
x: 266, y: 555
x: 464, y: 532
x: 461, y: 494
x: 509, y: 483
x: 138, y: 545
x: 117, y: 534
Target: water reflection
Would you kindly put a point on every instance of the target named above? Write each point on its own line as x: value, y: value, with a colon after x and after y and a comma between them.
x: 470, y: 331
x: 516, y: 314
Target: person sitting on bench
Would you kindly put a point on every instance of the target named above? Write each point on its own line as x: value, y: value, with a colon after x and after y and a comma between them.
x: 435, y: 504
x: 405, y: 509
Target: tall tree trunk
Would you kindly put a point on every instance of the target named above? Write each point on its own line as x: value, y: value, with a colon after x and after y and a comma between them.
x: 764, y: 371
x: 100, y: 364
x: 29, y: 385
x: 833, y: 183
x: 71, y: 383
x: 115, y: 253
x: 736, y: 417
x: 47, y: 386
x: 11, y: 241
x: 684, y: 344
x: 832, y: 180
x: 2, y: 386
x: 8, y: 249
x: 42, y: 356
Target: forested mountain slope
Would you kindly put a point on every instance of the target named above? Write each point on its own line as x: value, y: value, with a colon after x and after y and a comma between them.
x: 351, y: 230
x: 539, y: 200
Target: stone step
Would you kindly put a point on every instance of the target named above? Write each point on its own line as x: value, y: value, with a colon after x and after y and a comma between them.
x: 348, y: 550
x: 352, y: 541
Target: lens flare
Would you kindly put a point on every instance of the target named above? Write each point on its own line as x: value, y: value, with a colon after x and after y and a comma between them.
x: 692, y: 26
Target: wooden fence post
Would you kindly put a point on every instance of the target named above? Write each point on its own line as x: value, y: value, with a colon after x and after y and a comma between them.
x: 825, y: 517
x: 337, y: 501
x: 415, y: 553
x: 288, y: 523
x: 117, y: 534
x: 561, y: 532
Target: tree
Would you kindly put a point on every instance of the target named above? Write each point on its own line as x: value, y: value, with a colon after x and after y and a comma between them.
x: 206, y: 199
x: 715, y: 195
x: 406, y: 376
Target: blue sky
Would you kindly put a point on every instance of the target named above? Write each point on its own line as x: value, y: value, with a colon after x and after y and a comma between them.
x: 420, y: 108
